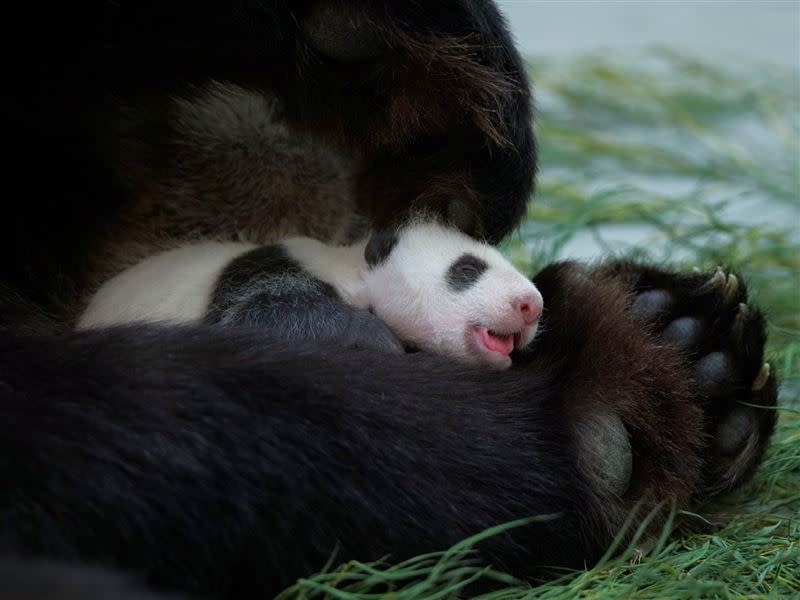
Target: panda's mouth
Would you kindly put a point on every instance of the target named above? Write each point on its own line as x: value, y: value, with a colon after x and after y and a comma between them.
x: 497, y: 343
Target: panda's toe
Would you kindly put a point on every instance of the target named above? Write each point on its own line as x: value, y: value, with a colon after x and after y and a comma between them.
x: 713, y: 372
x: 606, y: 454
x: 733, y: 431
x: 683, y: 332
x: 649, y: 305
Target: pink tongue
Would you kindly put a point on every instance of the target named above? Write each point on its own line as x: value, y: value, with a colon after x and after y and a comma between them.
x: 500, y: 345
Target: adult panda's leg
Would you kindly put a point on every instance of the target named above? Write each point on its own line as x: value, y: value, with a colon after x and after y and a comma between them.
x: 49, y: 580
x: 223, y: 461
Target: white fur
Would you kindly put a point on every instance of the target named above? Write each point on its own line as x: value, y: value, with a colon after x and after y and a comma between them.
x: 341, y: 266
x: 409, y: 292
x: 174, y: 286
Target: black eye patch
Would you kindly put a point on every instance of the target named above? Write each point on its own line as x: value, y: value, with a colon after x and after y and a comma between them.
x: 465, y: 271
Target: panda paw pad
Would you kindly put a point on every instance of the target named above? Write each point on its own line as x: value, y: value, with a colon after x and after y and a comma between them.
x: 707, y: 317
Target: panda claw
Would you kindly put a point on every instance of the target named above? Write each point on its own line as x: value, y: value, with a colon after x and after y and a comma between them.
x: 717, y: 280
x: 731, y: 287
x: 742, y: 314
x: 644, y: 548
x: 761, y: 378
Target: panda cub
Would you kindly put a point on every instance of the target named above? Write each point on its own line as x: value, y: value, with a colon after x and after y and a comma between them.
x: 434, y: 287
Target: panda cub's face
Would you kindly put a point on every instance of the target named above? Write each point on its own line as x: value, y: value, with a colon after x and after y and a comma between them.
x: 443, y: 291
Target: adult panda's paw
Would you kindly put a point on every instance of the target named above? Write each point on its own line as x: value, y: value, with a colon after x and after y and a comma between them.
x: 706, y: 316
x: 664, y: 384
x: 433, y: 103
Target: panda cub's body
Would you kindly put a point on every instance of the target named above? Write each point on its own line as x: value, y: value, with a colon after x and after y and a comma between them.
x: 434, y: 287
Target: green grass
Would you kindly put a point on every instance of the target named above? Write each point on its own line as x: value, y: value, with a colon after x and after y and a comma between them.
x: 698, y: 164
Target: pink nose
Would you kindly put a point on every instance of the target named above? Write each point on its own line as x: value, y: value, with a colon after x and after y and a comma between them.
x: 530, y: 308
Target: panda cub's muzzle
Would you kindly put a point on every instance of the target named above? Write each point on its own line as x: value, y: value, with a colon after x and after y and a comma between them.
x: 508, y: 308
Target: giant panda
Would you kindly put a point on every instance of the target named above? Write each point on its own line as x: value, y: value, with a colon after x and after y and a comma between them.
x: 434, y: 287
x: 225, y: 461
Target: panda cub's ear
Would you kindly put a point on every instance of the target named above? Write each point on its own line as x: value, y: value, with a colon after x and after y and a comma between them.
x: 379, y: 246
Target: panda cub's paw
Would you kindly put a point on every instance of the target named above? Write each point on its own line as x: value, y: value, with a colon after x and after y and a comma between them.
x: 707, y: 318
x: 364, y: 330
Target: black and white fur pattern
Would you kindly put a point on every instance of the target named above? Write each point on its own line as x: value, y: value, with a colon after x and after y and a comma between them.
x: 436, y: 288
x: 227, y: 462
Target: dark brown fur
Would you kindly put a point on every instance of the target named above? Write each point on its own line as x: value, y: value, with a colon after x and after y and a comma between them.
x: 646, y: 383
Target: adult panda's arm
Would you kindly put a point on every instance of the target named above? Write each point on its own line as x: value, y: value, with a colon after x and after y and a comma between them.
x: 218, y: 460
x: 432, y: 97
x: 435, y: 109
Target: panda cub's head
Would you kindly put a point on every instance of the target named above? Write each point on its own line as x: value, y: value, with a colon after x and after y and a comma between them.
x: 443, y: 291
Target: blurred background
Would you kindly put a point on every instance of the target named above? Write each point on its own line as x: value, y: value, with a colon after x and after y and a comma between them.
x: 697, y: 102
x: 719, y: 29
x: 670, y: 130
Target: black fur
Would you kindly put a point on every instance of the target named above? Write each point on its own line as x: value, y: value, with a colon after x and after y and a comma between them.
x: 379, y: 247
x: 221, y: 460
x: 51, y: 580
x: 267, y: 269
x: 465, y: 272
x: 267, y: 289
